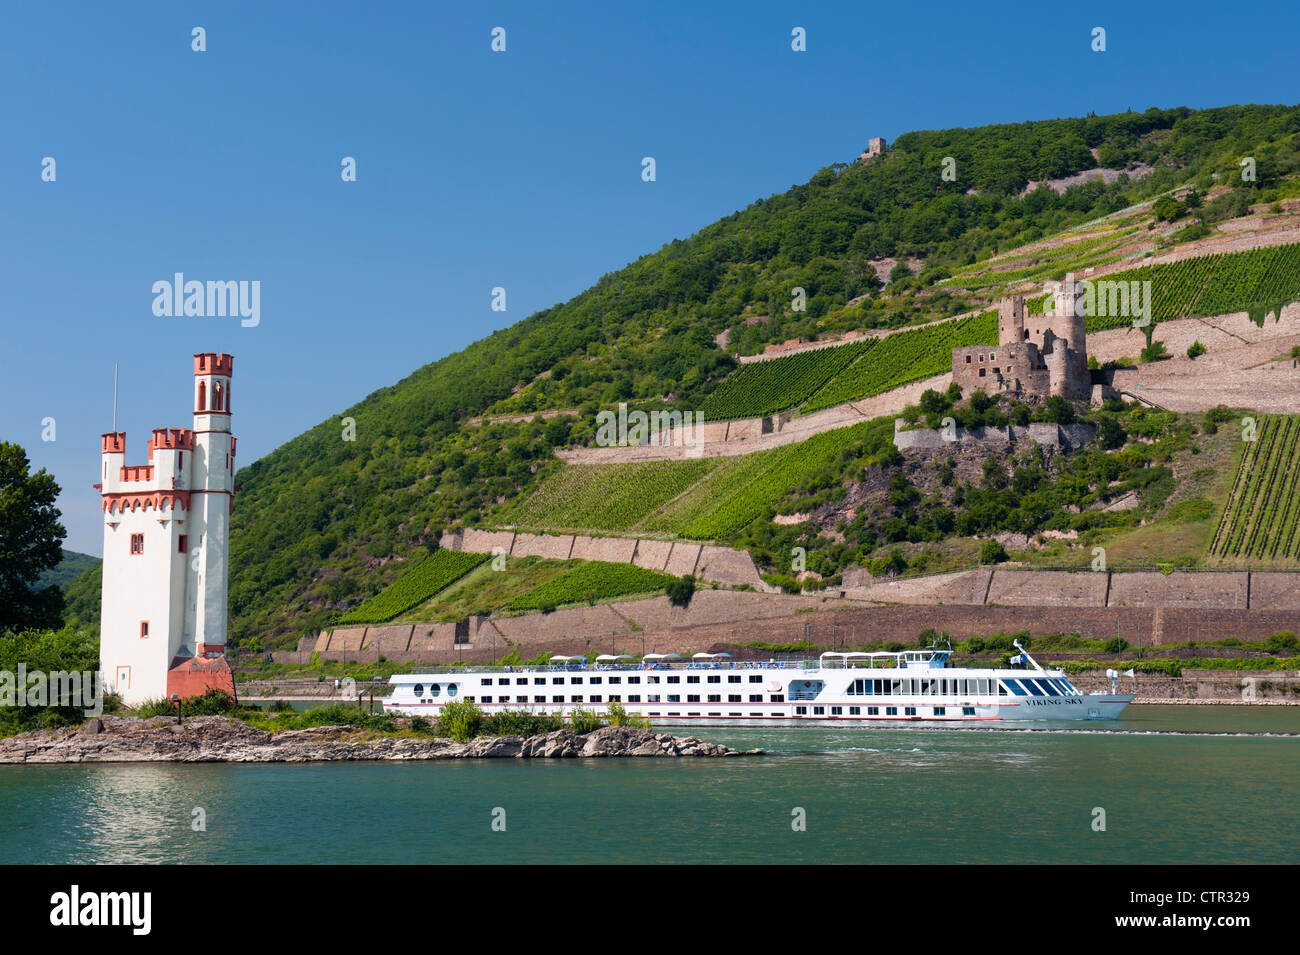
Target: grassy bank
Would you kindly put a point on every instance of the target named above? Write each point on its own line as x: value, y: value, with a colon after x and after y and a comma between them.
x: 460, y: 720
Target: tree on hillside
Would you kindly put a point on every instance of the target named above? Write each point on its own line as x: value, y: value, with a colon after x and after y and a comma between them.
x: 31, y: 542
x: 681, y: 591
x: 1059, y: 410
x: 992, y: 553
x: 1167, y: 209
x: 899, y: 271
x: 1153, y: 352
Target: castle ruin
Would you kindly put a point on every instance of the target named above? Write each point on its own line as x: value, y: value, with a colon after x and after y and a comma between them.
x: 1039, y: 355
x: 875, y: 147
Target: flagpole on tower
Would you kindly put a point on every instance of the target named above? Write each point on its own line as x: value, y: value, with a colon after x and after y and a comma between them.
x: 114, y: 397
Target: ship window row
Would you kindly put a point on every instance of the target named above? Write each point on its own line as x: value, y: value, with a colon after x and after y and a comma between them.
x: 1040, y: 686
x: 558, y: 680
x: 922, y: 687
x: 651, y: 678
x: 908, y: 711
x: 632, y: 698
x: 731, y: 713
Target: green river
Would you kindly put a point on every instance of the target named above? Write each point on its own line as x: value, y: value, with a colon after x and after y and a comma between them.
x: 1177, y: 784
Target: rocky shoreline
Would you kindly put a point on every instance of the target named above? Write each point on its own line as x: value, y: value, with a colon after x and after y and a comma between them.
x: 216, y: 739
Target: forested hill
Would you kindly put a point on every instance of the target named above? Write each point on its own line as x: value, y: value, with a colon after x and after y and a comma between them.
x: 317, y: 519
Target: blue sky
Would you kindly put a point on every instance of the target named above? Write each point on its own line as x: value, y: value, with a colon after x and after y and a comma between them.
x: 474, y: 169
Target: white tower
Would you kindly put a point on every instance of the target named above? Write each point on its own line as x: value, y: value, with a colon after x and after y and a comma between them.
x: 166, y: 530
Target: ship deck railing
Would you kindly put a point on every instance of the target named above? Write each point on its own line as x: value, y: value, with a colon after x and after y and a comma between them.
x: 659, y: 666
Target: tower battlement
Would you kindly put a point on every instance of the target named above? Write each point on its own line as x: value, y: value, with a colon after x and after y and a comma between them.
x: 214, y: 363
x: 172, y: 439
x: 136, y: 473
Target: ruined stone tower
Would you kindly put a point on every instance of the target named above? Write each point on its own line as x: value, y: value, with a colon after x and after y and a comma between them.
x: 1036, y: 354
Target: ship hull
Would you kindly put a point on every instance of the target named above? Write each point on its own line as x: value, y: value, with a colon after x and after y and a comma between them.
x: 904, y: 712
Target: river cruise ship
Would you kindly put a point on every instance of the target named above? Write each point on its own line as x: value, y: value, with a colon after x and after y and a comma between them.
x: 713, y: 689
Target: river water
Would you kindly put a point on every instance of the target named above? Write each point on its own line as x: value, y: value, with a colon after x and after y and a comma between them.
x: 1176, y: 784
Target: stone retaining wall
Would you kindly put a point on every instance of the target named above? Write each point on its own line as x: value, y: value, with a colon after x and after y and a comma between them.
x: 554, y: 546
x: 1246, y: 590
x: 1154, y: 589
x: 616, y: 550
x: 775, y: 619
x: 1046, y: 433
x: 1155, y: 610
x: 683, y: 559
x: 1048, y: 588
x: 718, y: 565
x: 652, y: 555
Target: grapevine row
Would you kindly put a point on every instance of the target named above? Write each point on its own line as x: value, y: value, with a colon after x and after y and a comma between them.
x: 764, y: 387
x: 415, y: 586
x: 1264, y: 503
x: 905, y: 357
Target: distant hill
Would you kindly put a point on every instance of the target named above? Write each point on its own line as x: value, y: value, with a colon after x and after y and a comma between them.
x: 69, y: 569
x: 322, y: 522
x: 81, y: 597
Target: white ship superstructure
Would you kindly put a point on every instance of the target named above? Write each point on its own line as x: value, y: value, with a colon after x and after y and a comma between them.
x: 915, y: 685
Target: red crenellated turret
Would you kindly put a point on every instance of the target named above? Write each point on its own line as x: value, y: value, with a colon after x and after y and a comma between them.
x: 214, y: 363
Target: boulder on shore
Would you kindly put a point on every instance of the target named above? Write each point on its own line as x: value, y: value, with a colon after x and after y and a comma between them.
x: 216, y: 739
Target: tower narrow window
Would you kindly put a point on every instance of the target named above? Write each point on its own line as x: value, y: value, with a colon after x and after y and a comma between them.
x: 203, y: 395
x: 181, y: 544
x: 144, y: 629
x: 216, y: 396
x: 137, y: 543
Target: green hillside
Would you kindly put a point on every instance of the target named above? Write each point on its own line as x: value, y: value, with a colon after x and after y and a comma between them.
x: 859, y: 500
x: 317, y: 519
x: 67, y: 570
x: 707, y: 499
x: 1257, y: 281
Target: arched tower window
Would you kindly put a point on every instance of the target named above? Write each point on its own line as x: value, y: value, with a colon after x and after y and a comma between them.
x: 216, y: 396
x: 203, y: 395
x: 227, y: 396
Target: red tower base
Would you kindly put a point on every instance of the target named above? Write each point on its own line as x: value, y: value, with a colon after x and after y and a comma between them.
x: 191, y: 676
